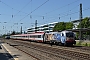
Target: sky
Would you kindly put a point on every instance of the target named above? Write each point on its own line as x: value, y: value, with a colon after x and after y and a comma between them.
x: 17, y: 13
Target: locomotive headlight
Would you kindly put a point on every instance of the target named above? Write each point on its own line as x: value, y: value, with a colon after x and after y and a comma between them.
x: 69, y: 38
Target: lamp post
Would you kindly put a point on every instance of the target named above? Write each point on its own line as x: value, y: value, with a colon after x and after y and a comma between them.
x: 5, y: 27
x: 36, y: 26
x: 80, y: 22
x: 21, y: 28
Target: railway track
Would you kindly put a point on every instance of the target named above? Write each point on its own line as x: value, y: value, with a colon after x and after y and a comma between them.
x: 46, y: 52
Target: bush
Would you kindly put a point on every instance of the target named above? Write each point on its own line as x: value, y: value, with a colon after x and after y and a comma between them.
x: 86, y: 44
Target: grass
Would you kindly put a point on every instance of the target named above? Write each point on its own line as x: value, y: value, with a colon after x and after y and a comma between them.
x: 83, y: 43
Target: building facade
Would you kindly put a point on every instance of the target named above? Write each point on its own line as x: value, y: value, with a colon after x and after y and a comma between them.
x: 75, y: 23
x: 42, y: 28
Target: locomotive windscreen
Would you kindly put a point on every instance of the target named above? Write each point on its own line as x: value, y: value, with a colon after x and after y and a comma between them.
x: 69, y: 34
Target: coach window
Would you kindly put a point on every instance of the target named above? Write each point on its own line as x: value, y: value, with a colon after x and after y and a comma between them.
x: 36, y: 36
x: 30, y: 36
x: 39, y: 36
x: 33, y: 36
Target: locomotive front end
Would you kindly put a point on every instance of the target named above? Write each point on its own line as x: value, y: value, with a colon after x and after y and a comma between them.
x: 70, y: 38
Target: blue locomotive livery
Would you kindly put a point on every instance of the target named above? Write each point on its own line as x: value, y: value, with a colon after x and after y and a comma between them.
x: 61, y: 38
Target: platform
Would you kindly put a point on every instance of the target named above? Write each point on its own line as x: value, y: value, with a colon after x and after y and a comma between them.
x: 8, y: 52
x: 4, y: 55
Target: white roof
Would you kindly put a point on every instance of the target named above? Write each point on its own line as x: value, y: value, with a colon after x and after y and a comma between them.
x: 53, y: 23
x: 52, y: 32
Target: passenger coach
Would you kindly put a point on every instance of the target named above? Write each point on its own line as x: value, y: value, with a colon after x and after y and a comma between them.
x: 33, y: 37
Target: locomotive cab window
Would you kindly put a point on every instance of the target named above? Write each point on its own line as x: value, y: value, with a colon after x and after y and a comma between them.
x: 70, y: 34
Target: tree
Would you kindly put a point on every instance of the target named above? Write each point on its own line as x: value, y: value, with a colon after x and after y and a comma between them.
x: 69, y: 25
x: 63, y: 26
x: 85, y: 23
x: 59, y: 26
x: 13, y: 33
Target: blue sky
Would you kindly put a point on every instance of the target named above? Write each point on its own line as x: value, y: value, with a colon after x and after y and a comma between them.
x: 15, y: 12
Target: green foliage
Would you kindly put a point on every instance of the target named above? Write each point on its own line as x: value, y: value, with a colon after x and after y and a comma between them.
x: 86, y: 44
x: 89, y: 45
x: 63, y: 26
x: 69, y: 25
x: 79, y: 43
x: 85, y: 23
x: 13, y: 33
x: 82, y: 43
x: 59, y: 26
x: 3, y: 35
